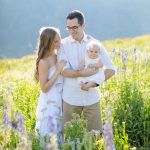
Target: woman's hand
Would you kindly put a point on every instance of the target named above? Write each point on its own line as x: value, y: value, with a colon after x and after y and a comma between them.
x: 60, y: 65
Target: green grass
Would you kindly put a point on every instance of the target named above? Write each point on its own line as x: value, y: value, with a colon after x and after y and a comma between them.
x: 128, y: 93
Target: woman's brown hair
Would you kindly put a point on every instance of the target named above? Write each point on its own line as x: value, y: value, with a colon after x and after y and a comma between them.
x: 46, y: 39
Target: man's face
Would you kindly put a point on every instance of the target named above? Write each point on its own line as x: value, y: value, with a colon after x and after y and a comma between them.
x: 75, y: 29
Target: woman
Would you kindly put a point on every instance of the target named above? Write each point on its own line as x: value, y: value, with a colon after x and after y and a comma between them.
x: 49, y: 108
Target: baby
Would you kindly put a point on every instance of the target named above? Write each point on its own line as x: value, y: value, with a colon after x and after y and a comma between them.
x: 92, y: 60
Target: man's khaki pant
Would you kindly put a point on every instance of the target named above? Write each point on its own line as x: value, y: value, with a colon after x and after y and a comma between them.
x: 92, y: 113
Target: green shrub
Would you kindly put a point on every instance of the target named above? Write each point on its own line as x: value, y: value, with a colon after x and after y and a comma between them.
x: 132, y: 109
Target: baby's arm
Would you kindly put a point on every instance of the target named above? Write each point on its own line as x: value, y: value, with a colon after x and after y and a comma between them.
x: 98, y: 65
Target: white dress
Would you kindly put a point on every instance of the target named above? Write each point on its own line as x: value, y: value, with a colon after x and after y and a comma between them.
x: 98, y: 78
x: 49, y: 110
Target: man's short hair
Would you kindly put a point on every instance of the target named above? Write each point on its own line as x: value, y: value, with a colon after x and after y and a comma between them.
x: 76, y: 14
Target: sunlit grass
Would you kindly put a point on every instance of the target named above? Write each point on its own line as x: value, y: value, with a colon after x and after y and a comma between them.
x: 131, y: 58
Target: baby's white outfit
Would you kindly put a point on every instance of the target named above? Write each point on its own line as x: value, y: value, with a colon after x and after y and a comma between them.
x: 98, y: 78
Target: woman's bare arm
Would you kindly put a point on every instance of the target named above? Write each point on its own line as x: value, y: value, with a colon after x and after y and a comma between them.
x: 46, y: 84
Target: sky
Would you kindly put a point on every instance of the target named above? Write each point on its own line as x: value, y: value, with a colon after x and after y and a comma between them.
x: 20, y: 21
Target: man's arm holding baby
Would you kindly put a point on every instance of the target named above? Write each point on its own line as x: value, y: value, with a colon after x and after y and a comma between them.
x: 80, y: 72
x: 107, y: 72
x: 71, y: 73
x: 86, y: 86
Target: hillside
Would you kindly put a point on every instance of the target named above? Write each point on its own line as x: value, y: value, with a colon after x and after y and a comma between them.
x: 13, y: 67
x: 20, y: 21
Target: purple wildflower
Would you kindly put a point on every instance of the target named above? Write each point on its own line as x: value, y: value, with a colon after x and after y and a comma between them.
x: 124, y: 57
x: 13, y: 124
x: 9, y: 90
x: 134, y: 55
x: 21, y: 126
x: 134, y: 50
x: 108, y: 131
x: 145, y: 59
x: 113, y: 51
x: 5, y: 119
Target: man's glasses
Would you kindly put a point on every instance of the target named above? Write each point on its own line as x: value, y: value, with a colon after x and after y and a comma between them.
x: 72, y: 28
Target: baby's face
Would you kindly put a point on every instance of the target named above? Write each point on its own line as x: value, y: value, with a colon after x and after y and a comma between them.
x: 94, y: 52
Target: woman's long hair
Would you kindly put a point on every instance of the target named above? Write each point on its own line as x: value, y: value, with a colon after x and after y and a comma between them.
x: 44, y: 44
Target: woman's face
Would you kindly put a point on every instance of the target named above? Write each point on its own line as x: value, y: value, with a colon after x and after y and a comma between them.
x: 57, y: 41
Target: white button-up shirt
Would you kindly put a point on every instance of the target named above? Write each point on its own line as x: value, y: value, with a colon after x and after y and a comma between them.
x: 74, y: 52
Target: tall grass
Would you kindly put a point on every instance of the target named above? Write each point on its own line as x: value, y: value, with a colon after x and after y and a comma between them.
x: 128, y: 93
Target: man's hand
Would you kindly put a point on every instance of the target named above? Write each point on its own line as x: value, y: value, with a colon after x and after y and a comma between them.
x: 87, y: 85
x: 84, y: 86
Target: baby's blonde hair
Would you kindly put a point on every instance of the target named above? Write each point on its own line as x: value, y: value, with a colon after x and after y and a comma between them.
x: 91, y: 44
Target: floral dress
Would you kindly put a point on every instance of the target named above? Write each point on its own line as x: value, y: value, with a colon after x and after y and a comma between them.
x: 49, y: 110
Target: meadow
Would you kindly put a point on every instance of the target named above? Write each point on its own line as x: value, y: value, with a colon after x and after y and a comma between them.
x: 125, y: 103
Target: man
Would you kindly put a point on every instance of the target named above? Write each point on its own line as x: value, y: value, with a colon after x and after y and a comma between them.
x: 75, y: 98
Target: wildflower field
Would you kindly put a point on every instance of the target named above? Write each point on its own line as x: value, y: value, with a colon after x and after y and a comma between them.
x: 125, y: 104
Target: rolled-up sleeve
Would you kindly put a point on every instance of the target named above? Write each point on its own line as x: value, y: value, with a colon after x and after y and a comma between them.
x: 62, y: 56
